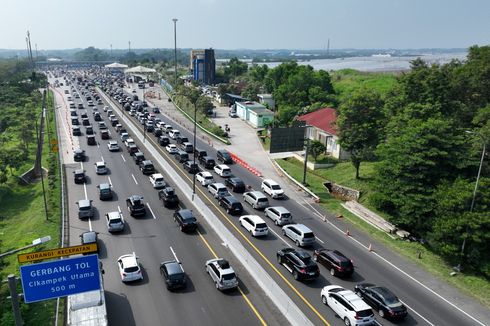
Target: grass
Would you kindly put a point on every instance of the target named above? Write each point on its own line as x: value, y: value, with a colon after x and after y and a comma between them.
x: 348, y: 80
x: 23, y: 220
x: 343, y: 173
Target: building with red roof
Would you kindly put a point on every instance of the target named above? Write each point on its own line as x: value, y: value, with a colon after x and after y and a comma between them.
x: 324, y: 129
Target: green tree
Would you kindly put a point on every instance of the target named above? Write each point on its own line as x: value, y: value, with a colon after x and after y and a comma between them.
x: 204, y: 104
x: 316, y: 149
x: 251, y: 90
x: 258, y: 73
x: 360, y: 123
x: 235, y: 68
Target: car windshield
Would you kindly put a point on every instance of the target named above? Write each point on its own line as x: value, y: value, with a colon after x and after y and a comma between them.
x: 364, y: 313
x: 190, y: 219
x: 131, y: 269
x: 229, y: 276
x: 84, y: 208
x: 115, y: 221
x: 137, y: 203
x: 276, y: 187
x: 309, y: 235
x: 261, y: 225
x: 345, y: 263
x: 175, y: 277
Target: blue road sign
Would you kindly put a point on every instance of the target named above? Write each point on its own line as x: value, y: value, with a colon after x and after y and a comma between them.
x: 60, y: 278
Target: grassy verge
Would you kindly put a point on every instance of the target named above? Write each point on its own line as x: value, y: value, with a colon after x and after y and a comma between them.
x: 343, y: 173
x: 348, y: 80
x: 23, y: 220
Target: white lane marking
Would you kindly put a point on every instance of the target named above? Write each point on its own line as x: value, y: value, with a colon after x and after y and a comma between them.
x: 89, y: 224
x: 102, y: 157
x: 277, y: 235
x: 173, y: 253
x: 134, y: 178
x: 319, y: 239
x: 151, y: 211
x: 81, y: 165
x: 123, y: 158
x: 119, y: 208
x: 425, y: 319
x: 110, y: 181
x: 85, y: 190
x: 98, y: 145
x: 401, y: 271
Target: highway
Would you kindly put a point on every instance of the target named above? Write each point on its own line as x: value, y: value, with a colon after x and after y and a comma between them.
x: 153, y: 238
x: 156, y: 238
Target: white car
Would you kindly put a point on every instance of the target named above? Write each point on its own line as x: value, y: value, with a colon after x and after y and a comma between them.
x: 174, y: 133
x: 254, y: 224
x: 124, y: 136
x: 157, y: 181
x: 347, y: 305
x: 272, y: 188
x: 205, y: 178
x: 113, y: 146
x: 172, y: 149
x: 100, y: 167
x: 129, y: 268
x: 129, y: 141
x: 106, y: 108
x: 222, y: 170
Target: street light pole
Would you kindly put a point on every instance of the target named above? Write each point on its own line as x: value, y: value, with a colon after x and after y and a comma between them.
x: 474, y: 192
x: 175, y: 49
x: 194, y: 175
x: 144, y: 126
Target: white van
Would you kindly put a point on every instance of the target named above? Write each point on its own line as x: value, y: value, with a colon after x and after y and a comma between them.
x: 254, y: 224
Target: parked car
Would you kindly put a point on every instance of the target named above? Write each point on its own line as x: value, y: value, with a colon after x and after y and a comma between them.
x: 222, y: 274
x: 236, y: 184
x: 222, y: 170
x: 279, y: 214
x: 385, y: 302
x: 79, y: 176
x: 173, y: 274
x: 129, y: 268
x: 231, y: 205
x: 256, y: 199
x: 272, y: 188
x: 105, y: 191
x: 114, y: 221
x: 135, y: 205
x: 168, y: 196
x: 254, y: 224
x: 334, y: 261
x: 185, y: 219
x: 204, y: 178
x: 347, y: 305
x: 299, y: 263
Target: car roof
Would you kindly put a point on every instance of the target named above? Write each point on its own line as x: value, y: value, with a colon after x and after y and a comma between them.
x: 173, y: 267
x: 84, y: 203
x: 157, y: 175
x: 221, y: 264
x: 89, y: 236
x: 100, y: 163
x: 104, y: 186
x: 255, y: 218
x: 129, y: 260
x: 113, y: 215
x: 231, y: 199
x: 257, y: 194
x: 218, y: 185
x: 279, y: 209
x: 270, y: 181
x: 206, y: 174
x: 223, y: 166
x: 300, y: 227
x: 79, y: 171
x: 185, y: 212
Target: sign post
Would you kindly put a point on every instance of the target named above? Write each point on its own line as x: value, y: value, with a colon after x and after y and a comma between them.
x: 60, y: 278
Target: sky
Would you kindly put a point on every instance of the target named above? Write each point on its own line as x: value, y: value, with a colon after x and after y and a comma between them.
x: 250, y: 24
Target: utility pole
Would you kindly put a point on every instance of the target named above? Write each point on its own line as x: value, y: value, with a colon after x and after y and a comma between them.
x: 14, y: 297
x: 175, y: 49
x: 307, y: 149
x: 129, y: 47
x: 111, y: 51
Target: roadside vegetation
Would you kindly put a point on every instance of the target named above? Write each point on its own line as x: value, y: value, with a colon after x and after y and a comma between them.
x: 22, y: 217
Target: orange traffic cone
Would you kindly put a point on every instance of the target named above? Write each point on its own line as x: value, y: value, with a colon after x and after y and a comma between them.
x: 370, y: 247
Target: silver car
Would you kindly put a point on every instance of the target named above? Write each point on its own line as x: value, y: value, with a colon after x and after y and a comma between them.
x: 115, y: 221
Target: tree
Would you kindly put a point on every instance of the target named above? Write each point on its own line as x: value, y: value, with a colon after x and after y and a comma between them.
x: 251, y: 90
x: 204, y: 104
x: 257, y: 73
x: 360, y: 124
x: 316, y: 148
x: 235, y: 68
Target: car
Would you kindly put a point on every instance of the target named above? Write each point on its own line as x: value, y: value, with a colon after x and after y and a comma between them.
x: 334, y: 261
x: 163, y: 140
x: 222, y: 170
x: 85, y: 209
x: 205, y: 178
x: 102, y: 125
x: 75, y: 130
x: 207, y: 161
x: 180, y: 140
x: 385, y: 302
x: 135, y: 205
x: 149, y: 126
x: 173, y: 274
x: 174, y: 133
x: 171, y: 149
x: 157, y: 181
x: 168, y: 128
x: 97, y: 117
x: 181, y: 156
x: 218, y: 190
x: 185, y: 219
x: 279, y: 214
x: 114, y: 221
x: 157, y: 132
x: 236, y: 184
x: 156, y: 110
x: 347, y: 305
x: 113, y: 146
x: 129, y: 141
x: 256, y: 199
x: 114, y: 121
x: 231, y: 205
x: 129, y: 268
x: 187, y: 147
x: 147, y: 167
x: 222, y: 274
x: 78, y: 155
x: 272, y: 188
x: 85, y: 122
x: 105, y: 191
x: 100, y: 167
x: 132, y: 149
x: 91, y: 140
x: 198, y: 153
x: 89, y: 237
x: 104, y: 134
x: 191, y: 167
x: 138, y: 157
x: 79, y: 176
x: 299, y: 263
x: 75, y: 121
x: 124, y: 136
x: 168, y: 196
x: 89, y: 130
x: 254, y: 224
x: 224, y: 156
x: 300, y: 234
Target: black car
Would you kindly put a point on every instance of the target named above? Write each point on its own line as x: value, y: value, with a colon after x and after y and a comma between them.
x: 191, y: 167
x: 105, y: 191
x: 76, y: 131
x: 236, y: 184
x: 157, y: 132
x: 200, y: 153
x: 163, y: 140
x: 173, y: 274
x: 168, y: 197
x: 89, y: 130
x: 223, y: 156
x: 104, y: 134
x: 135, y: 206
x: 207, y: 161
x: 79, y: 155
x: 334, y: 261
x: 97, y: 116
x: 382, y: 300
x: 79, y: 176
x: 156, y: 110
x: 91, y: 140
x: 147, y: 167
x: 138, y: 157
x: 185, y: 219
x: 299, y: 263
x: 85, y: 122
x: 75, y: 122
x: 89, y: 237
x: 231, y: 204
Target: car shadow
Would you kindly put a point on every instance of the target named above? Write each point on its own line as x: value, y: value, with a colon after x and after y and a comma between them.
x: 88, y: 180
x: 119, y: 310
x: 317, y: 283
x: 96, y: 216
x: 102, y: 249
